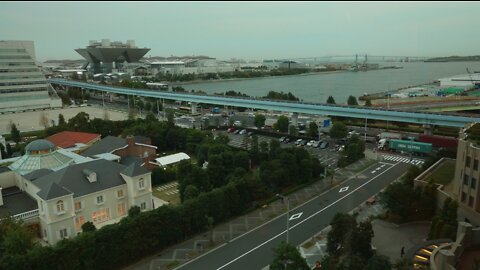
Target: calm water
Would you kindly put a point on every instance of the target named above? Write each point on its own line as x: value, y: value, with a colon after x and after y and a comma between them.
x: 317, y: 88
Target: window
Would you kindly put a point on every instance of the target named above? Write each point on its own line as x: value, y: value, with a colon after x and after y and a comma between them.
x: 143, y: 206
x: 121, y: 209
x: 101, y: 215
x: 465, y: 179
x: 79, y: 221
x: 141, y: 184
x: 467, y: 163
x: 470, y: 201
x: 63, y: 233
x: 100, y: 199
x: 78, y: 206
x: 120, y: 193
x: 475, y: 164
x: 464, y: 197
x: 473, y: 184
x: 60, y: 207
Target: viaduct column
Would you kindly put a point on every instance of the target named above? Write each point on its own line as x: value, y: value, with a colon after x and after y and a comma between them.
x: 194, y: 107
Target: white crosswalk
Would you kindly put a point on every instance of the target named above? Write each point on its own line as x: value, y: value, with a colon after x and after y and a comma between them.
x: 169, y: 186
x: 413, y: 161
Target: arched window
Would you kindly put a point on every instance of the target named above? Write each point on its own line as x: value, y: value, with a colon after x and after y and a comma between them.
x: 60, y: 207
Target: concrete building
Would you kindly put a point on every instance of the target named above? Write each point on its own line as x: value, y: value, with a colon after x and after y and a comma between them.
x: 22, y: 84
x: 467, y: 174
x: 108, y: 57
x: 190, y: 65
x: 62, y: 193
x: 466, y: 80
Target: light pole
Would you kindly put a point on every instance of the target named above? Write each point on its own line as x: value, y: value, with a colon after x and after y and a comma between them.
x: 288, y: 211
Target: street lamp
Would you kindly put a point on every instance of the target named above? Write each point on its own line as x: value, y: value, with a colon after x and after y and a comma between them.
x: 288, y: 211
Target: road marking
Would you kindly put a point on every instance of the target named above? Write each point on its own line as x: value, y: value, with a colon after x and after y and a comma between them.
x: 299, y: 223
x: 343, y: 189
x: 297, y: 215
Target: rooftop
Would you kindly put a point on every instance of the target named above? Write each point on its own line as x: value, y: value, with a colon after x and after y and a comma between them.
x: 105, y: 145
x: 72, y: 179
x: 67, y: 139
x: 167, y: 160
x: 16, y: 202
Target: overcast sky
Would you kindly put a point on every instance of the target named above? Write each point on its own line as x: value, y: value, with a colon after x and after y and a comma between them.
x: 247, y: 30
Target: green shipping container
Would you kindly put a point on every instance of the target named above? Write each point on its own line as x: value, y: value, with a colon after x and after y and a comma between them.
x: 410, y: 146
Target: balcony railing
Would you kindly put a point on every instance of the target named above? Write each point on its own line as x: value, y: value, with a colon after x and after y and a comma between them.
x: 26, y: 215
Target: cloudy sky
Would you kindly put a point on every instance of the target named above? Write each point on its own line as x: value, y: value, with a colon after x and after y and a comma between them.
x: 248, y: 30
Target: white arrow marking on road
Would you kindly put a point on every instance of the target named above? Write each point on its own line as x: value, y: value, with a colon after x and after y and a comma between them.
x: 343, y: 189
x: 297, y: 215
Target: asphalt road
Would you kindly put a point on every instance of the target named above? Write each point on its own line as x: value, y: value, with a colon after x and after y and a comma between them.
x: 254, y: 250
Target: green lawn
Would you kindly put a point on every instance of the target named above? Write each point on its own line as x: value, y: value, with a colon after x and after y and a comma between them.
x: 444, y: 174
x: 163, y: 194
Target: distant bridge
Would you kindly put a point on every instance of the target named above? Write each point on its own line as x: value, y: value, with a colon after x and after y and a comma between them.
x: 374, y: 58
x: 286, y: 106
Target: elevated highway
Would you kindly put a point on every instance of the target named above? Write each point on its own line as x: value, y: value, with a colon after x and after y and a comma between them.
x: 422, y: 118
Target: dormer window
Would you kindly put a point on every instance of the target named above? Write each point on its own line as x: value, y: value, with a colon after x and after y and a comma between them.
x: 90, y: 175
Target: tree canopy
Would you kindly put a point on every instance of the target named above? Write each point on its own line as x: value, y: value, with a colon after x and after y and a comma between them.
x: 287, y: 257
x: 352, y: 101
x: 331, y: 100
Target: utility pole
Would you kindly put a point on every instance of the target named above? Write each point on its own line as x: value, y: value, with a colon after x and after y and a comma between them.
x: 288, y: 211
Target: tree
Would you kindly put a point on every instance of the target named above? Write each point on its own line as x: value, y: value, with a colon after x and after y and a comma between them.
x: 330, y: 100
x: 313, y: 130
x: 287, y: 257
x: 88, y: 227
x: 3, y: 153
x: 15, y: 237
x: 9, y: 150
x: 150, y: 117
x: 338, y: 130
x: 282, y: 124
x: 15, y: 133
x: 379, y: 262
x: 190, y: 192
x: 352, y: 101
x: 79, y: 122
x: 44, y: 120
x: 61, y: 120
x: 134, y: 211
x: 259, y: 120
x: 368, y: 103
x: 170, y: 118
x: 292, y: 130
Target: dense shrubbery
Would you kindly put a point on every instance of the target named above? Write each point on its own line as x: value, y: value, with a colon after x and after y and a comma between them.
x: 444, y: 224
x: 354, y: 150
x: 406, y: 203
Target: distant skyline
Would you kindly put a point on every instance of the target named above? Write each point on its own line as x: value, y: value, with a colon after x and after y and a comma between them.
x: 247, y: 30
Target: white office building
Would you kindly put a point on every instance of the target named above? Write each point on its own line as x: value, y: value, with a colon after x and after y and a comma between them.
x: 22, y: 84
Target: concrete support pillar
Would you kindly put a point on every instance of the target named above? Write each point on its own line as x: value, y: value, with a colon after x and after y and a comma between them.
x: 427, y: 129
x: 194, y: 107
x: 1, y: 198
x: 295, y: 119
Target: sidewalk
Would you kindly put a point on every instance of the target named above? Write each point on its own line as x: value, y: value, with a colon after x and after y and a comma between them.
x: 222, y: 233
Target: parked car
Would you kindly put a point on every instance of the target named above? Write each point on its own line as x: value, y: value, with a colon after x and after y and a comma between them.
x: 324, y: 145
x: 237, y: 131
x: 310, y: 143
x: 303, y: 142
x: 282, y: 139
x: 316, y: 144
x: 287, y: 140
x: 244, y: 131
x: 237, y: 123
x: 298, y: 142
x: 231, y: 130
x: 250, y: 133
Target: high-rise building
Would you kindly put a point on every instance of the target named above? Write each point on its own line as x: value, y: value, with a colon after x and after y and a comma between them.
x: 22, y: 84
x: 106, y: 56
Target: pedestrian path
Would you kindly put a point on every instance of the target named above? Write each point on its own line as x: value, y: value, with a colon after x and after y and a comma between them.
x: 169, y: 186
x: 407, y: 160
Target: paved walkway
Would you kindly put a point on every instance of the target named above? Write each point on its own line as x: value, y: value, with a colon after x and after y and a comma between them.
x: 187, y: 250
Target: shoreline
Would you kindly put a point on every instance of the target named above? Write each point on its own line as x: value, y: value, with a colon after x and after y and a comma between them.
x: 172, y: 84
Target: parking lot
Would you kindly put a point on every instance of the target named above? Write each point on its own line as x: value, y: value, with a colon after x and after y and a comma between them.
x: 328, y: 156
